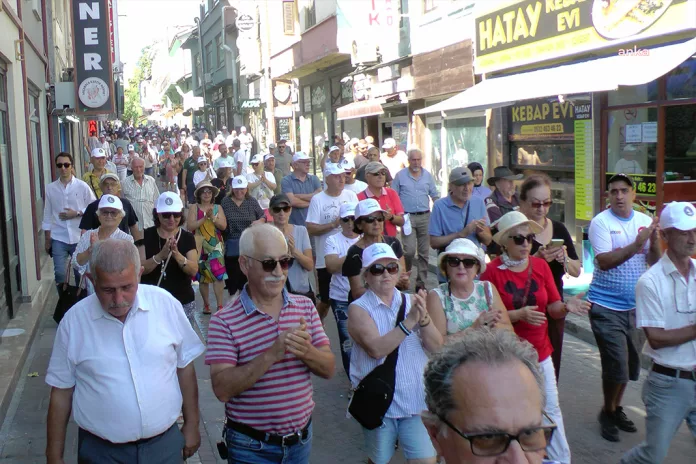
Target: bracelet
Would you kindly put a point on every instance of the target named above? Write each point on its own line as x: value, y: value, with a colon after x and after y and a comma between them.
x: 424, y: 325
x: 154, y: 258
x: 404, y: 329
x: 185, y: 261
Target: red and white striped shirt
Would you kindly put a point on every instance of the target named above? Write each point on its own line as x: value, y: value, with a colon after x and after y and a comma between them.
x: 281, y: 400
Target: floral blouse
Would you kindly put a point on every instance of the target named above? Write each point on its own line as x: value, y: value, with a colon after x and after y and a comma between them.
x: 461, y: 313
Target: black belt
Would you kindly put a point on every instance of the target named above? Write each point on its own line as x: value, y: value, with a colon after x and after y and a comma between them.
x: 270, y: 438
x: 671, y: 372
x: 419, y: 213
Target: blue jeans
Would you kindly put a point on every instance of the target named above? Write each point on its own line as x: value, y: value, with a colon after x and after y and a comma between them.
x: 243, y: 449
x: 340, y: 310
x: 411, y: 433
x: 61, y: 255
x: 150, y: 171
x: 668, y: 402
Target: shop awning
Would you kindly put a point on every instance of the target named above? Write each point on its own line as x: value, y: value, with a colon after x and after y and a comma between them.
x: 599, y: 75
x: 360, y: 109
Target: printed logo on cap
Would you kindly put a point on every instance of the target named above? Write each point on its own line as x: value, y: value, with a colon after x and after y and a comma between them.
x: 689, y: 210
x: 379, y: 251
x: 110, y: 200
x: 169, y: 201
x: 239, y: 181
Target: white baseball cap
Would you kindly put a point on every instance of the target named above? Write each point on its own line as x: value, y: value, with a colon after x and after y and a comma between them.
x: 256, y: 159
x: 299, y: 156
x: 334, y: 148
x: 347, y: 209
x: 678, y: 214
x: 110, y: 201
x: 225, y: 162
x: 367, y: 207
x: 389, y: 143
x: 201, y: 159
x: 376, y: 252
x: 240, y: 182
x: 169, y: 202
x: 131, y: 147
x: 333, y: 169
x: 98, y: 153
x: 347, y: 165
x: 268, y: 157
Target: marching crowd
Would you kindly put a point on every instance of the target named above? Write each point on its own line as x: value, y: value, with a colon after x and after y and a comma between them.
x: 459, y: 373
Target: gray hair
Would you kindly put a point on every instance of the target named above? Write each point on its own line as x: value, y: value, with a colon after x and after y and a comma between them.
x: 113, y: 255
x: 414, y: 150
x: 250, y: 236
x: 489, y: 347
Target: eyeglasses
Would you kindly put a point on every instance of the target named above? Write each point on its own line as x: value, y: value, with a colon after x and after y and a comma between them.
x: 269, y: 265
x: 371, y: 219
x: 348, y: 219
x: 278, y: 209
x: 204, y: 191
x: 109, y: 213
x: 520, y: 239
x: 378, y: 269
x: 63, y: 165
x: 495, y: 443
x: 170, y: 215
x: 453, y: 261
x: 380, y: 173
x: 539, y: 204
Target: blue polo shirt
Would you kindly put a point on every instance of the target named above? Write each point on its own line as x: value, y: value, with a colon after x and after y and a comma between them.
x: 414, y: 192
x: 448, y: 218
x: 291, y: 184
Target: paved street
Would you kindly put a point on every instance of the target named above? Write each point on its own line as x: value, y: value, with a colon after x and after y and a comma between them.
x: 336, y: 439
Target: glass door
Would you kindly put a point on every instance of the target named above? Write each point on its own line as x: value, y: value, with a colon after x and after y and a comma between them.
x: 433, y: 152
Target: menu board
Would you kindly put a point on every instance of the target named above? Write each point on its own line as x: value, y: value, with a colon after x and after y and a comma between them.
x: 283, y: 129
x: 584, y: 167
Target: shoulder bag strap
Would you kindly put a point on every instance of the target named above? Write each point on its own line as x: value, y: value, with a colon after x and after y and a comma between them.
x: 392, y: 358
x: 466, y: 218
x: 489, y: 294
x: 527, y: 285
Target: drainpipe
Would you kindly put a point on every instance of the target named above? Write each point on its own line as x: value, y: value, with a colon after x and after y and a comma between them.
x: 270, y: 115
x: 235, y: 79
x: 203, y: 63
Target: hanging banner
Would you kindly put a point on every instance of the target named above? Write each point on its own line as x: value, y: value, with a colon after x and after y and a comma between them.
x: 92, y: 51
x: 584, y: 166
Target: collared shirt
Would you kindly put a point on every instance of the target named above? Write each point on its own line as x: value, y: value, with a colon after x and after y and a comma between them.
x: 143, y: 198
x: 497, y: 205
x: 92, y: 180
x: 481, y: 191
x: 124, y: 374
x: 389, y: 201
x: 667, y: 300
x: 409, y: 391
x: 76, y: 195
x: 414, y: 191
x: 230, y: 158
x: 291, y: 184
x: 280, y: 402
x: 448, y: 218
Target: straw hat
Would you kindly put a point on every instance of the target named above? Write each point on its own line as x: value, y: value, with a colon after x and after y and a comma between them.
x: 204, y: 184
x: 510, y: 221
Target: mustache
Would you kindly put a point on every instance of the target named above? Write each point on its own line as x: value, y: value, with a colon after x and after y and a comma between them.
x: 273, y: 279
x: 124, y: 305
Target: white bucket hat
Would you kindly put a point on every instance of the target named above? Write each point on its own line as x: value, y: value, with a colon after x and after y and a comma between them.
x: 510, y: 221
x: 463, y: 246
x: 376, y: 252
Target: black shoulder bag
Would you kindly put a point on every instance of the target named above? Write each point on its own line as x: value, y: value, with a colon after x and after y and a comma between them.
x: 375, y: 393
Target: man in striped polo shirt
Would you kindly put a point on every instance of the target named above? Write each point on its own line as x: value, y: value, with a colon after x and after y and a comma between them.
x: 262, y: 349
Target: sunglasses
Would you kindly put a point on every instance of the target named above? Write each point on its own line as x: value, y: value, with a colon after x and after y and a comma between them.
x: 170, y: 215
x: 539, y: 204
x: 378, y: 269
x: 63, y: 165
x: 380, y: 173
x: 269, y: 265
x: 453, y: 261
x: 520, y: 239
x: 108, y: 213
x: 371, y: 219
x: 278, y: 209
x: 204, y: 191
x: 348, y: 219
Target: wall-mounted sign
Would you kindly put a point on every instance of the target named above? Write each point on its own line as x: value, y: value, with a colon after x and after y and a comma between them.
x: 92, y: 51
x: 251, y: 104
x: 520, y: 32
x: 584, y: 165
x: 245, y: 22
x: 541, y: 119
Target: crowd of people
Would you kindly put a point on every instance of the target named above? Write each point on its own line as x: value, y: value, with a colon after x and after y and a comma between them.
x: 289, y: 247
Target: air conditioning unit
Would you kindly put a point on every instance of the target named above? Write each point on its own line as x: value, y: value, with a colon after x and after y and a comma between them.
x: 208, y: 78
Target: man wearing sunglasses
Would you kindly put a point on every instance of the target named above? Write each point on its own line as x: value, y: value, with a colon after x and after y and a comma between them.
x: 264, y: 335
x: 666, y: 311
x: 483, y: 372
x: 66, y: 201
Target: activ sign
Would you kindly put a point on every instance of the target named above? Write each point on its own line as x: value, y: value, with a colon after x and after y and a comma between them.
x: 516, y: 33
x: 92, y: 50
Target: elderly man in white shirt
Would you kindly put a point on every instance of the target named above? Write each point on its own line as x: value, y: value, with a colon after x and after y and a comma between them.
x: 141, y: 190
x: 125, y: 382
x: 666, y: 310
x: 66, y: 201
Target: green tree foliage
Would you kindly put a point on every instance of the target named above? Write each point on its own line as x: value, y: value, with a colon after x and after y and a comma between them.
x: 132, y: 111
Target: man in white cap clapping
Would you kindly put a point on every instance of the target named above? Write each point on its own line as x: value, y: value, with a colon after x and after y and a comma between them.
x: 93, y: 177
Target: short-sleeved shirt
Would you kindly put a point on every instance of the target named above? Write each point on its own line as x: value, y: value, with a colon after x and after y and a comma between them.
x: 261, y: 192
x: 175, y: 281
x: 238, y: 218
x: 394, y: 163
x: 240, y: 156
x: 352, y: 266
x: 389, y: 200
x: 280, y: 402
x: 90, y: 220
x: 559, y: 231
x: 415, y: 193
x: 542, y: 292
x: 615, y: 288
x: 291, y: 184
x: 298, y: 277
x: 229, y: 157
x: 191, y: 167
x: 338, y: 245
x: 667, y: 300
x: 498, y: 206
x: 324, y: 209
x: 448, y: 218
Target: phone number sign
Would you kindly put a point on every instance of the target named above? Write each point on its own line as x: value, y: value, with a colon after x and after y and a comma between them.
x: 645, y: 185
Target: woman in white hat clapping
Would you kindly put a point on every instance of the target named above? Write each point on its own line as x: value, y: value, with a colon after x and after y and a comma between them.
x: 463, y: 303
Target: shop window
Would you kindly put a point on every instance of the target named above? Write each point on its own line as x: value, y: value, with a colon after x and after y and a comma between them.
x: 219, y: 50
x: 634, y: 94
x: 547, y: 155
x: 465, y: 142
x: 434, y: 151
x: 681, y: 81
x: 680, y: 142
x: 307, y: 98
x: 209, y: 56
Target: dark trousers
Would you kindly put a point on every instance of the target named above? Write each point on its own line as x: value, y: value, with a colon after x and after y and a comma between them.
x: 556, y: 328
x: 235, y: 277
x: 166, y: 448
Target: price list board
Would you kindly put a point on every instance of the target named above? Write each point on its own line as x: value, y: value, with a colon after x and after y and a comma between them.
x: 584, y: 167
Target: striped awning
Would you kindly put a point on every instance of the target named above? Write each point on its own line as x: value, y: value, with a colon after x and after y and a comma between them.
x: 360, y: 109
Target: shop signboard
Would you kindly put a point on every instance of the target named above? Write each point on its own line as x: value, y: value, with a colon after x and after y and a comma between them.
x: 645, y: 185
x: 543, y: 118
x: 517, y: 33
x: 250, y: 104
x: 584, y: 166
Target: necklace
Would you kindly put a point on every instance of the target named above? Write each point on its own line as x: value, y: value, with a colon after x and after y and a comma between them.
x: 509, y: 262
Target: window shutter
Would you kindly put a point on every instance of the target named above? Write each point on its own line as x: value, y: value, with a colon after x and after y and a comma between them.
x: 289, y: 17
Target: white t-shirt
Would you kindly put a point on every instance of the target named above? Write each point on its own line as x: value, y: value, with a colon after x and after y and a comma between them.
x: 323, y: 209
x: 199, y: 175
x: 338, y: 244
x: 616, y: 288
x: 357, y: 186
x: 628, y: 167
x: 394, y: 163
x: 240, y: 156
x: 262, y: 193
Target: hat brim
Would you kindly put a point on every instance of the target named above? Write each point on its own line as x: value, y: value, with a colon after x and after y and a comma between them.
x: 216, y: 190
x: 491, y: 180
x: 462, y: 181
x: 501, y: 234
x: 444, y: 254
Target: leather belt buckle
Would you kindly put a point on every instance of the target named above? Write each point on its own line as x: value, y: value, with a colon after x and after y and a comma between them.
x: 291, y: 438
